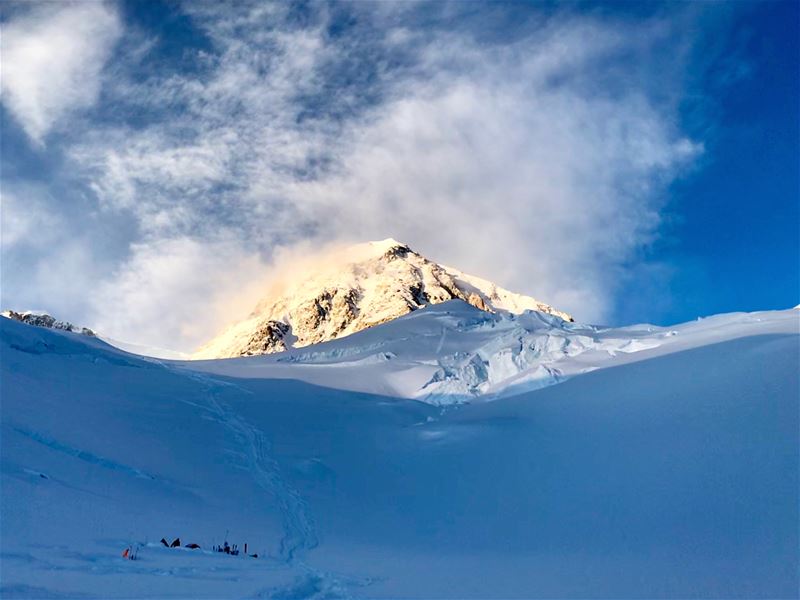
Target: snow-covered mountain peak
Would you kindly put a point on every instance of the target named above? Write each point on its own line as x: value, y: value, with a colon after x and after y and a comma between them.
x: 387, y: 245
x: 348, y: 289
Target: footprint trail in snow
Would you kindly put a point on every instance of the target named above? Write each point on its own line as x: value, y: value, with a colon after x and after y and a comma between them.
x: 299, y: 530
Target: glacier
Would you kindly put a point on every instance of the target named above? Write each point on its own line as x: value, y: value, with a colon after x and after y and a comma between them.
x: 450, y: 453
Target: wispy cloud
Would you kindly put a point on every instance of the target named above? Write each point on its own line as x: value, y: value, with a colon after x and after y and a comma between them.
x: 539, y: 162
x: 52, y: 57
x: 164, y: 281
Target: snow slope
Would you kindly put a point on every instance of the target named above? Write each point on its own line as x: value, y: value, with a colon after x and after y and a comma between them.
x: 42, y: 319
x: 453, y: 352
x: 671, y: 471
x: 349, y: 289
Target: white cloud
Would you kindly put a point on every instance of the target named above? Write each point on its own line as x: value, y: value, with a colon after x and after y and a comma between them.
x: 58, y: 280
x: 539, y: 163
x: 543, y: 190
x: 23, y: 220
x: 175, y: 293
x: 53, y: 55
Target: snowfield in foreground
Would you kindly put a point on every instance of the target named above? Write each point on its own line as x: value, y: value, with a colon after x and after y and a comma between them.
x: 663, y: 464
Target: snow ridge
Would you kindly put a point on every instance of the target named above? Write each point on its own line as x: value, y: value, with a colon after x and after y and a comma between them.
x: 454, y: 353
x: 41, y: 319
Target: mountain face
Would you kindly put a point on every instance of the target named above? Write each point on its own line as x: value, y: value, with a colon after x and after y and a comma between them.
x: 45, y: 320
x: 353, y: 289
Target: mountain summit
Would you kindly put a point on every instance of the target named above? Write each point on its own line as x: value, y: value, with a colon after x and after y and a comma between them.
x: 352, y: 289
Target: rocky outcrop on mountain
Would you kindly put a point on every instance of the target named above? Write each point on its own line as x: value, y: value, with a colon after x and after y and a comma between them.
x: 266, y: 339
x: 45, y: 320
x: 355, y: 288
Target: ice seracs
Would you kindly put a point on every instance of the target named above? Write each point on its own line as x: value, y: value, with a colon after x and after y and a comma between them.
x: 351, y: 289
x: 453, y: 353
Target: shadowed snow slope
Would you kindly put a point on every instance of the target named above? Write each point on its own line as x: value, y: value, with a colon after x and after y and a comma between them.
x: 671, y: 473
x: 349, y: 289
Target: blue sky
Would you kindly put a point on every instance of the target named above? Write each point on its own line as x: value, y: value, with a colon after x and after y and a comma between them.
x: 730, y: 233
x: 626, y: 162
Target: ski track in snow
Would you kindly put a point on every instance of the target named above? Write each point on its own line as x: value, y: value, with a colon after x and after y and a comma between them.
x: 299, y: 535
x: 83, y: 455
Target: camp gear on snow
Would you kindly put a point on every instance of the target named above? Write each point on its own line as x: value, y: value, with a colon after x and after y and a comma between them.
x: 192, y: 546
x: 231, y: 550
x: 176, y: 543
x: 165, y: 542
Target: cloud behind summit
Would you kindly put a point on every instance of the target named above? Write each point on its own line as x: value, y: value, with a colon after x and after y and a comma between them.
x: 533, y: 155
